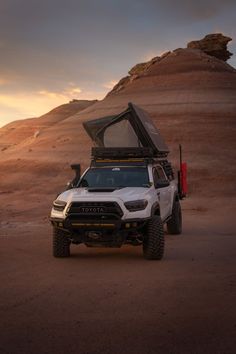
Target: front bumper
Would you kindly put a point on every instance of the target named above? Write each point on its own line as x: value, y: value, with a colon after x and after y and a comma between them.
x: 86, y: 224
x: 112, y: 233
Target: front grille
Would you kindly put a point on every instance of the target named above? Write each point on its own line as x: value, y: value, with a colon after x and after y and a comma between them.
x: 99, y: 208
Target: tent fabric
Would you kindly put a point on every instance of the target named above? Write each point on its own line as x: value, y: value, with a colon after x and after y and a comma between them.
x: 92, y: 127
x: 120, y: 134
x: 131, y: 128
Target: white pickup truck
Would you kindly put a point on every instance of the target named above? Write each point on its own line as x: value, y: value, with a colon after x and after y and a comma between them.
x: 126, y: 195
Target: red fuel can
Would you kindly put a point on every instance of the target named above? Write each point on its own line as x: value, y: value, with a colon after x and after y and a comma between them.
x: 183, y: 179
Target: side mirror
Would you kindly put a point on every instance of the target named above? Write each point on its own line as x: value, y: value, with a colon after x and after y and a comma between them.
x: 162, y: 183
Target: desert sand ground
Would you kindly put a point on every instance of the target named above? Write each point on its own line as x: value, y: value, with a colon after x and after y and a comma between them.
x: 114, y: 301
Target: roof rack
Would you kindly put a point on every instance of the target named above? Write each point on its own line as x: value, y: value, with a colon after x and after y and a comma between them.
x: 124, y: 153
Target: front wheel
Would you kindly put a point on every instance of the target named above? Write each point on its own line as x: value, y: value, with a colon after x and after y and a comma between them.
x: 61, y: 243
x: 174, y: 225
x: 154, y: 242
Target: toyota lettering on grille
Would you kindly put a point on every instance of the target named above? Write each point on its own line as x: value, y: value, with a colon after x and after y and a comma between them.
x: 92, y: 210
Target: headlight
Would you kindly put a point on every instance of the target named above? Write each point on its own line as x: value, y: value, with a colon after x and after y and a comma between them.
x: 136, y: 205
x: 59, y: 205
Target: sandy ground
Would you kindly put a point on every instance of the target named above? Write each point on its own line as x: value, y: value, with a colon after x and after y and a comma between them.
x: 114, y: 301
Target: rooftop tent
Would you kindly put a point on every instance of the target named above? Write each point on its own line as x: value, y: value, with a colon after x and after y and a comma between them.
x: 131, y: 128
x: 92, y: 127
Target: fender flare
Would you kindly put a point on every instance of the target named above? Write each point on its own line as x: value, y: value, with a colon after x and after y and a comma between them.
x: 176, y: 198
x: 155, y: 208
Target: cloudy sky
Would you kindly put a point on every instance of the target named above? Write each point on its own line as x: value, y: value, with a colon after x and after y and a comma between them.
x: 55, y: 50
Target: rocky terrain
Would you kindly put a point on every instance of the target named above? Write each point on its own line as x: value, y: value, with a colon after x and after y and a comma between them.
x: 191, y: 97
x: 189, y: 94
x: 27, y: 130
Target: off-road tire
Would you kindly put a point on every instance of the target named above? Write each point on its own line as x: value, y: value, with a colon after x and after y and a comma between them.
x: 154, y: 242
x: 174, y: 225
x: 61, y: 243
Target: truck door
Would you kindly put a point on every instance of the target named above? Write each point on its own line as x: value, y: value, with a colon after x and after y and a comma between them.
x: 164, y: 193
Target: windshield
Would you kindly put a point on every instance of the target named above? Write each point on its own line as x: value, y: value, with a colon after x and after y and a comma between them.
x: 116, y: 177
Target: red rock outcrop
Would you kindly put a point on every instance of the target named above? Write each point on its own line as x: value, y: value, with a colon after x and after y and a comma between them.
x: 214, y: 45
x: 135, y: 72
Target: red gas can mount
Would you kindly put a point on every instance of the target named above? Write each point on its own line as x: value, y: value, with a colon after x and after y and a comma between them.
x: 182, y: 176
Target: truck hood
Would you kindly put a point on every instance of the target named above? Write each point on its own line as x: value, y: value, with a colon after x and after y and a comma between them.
x: 123, y: 194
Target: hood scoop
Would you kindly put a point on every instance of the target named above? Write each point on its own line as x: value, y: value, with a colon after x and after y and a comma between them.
x: 101, y: 190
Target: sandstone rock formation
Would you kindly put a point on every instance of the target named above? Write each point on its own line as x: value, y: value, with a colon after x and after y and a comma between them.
x: 213, y: 44
x: 135, y: 72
